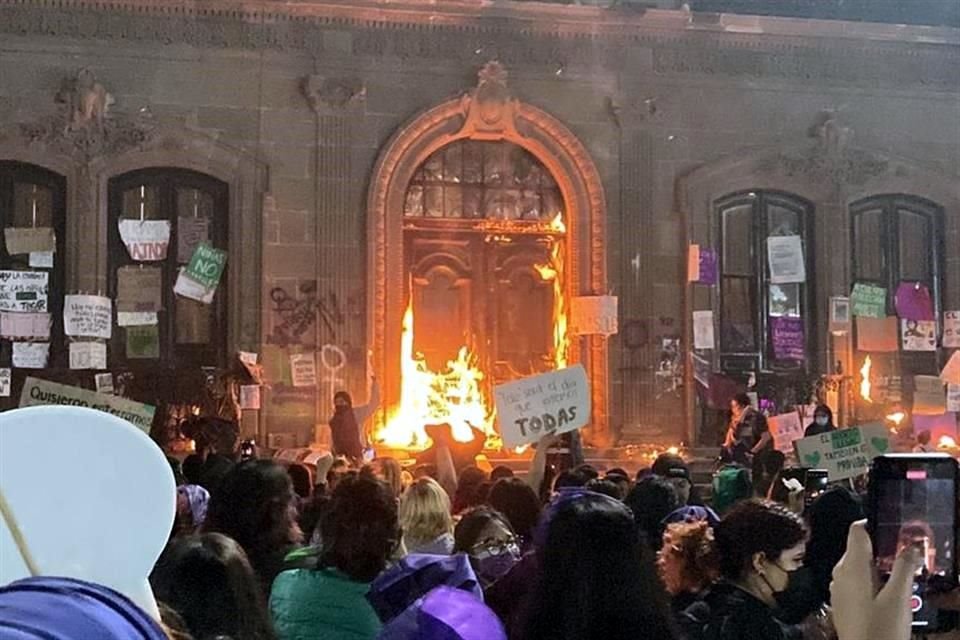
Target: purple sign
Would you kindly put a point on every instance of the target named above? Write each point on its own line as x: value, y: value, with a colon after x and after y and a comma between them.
x: 708, y: 266
x: 788, y: 339
x: 913, y: 302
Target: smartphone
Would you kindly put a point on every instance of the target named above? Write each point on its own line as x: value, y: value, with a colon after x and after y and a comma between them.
x: 912, y: 500
x: 814, y: 481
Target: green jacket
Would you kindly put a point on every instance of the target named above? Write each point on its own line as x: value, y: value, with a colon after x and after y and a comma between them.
x: 321, y: 604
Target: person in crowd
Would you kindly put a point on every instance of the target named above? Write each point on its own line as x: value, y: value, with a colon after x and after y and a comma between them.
x: 675, y: 469
x: 192, y: 467
x: 462, y: 454
x: 923, y: 443
x: 425, y: 518
x: 301, y: 479
x: 515, y: 499
x: 749, y: 433
x: 346, y: 425
x: 588, y: 471
x: 447, y: 613
x: 570, y: 479
x: 651, y: 500
x: 620, y: 478
x: 487, y: 537
x: 759, y: 545
x: 192, y: 503
x: 337, y: 472
x: 590, y: 544
x: 216, y: 467
x: 606, y: 487
x: 360, y: 531
x: 207, y: 580
x: 687, y: 562
x: 692, y: 513
x: 390, y: 471
x: 254, y: 505
x: 768, y: 470
x: 829, y: 518
x: 472, y: 489
x: 822, y: 422
x: 500, y: 472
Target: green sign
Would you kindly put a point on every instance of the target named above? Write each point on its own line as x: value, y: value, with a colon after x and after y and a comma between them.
x: 40, y: 392
x: 869, y: 301
x: 143, y: 343
x: 206, y: 265
x: 844, y: 453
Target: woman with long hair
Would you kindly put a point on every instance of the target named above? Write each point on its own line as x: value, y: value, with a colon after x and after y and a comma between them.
x: 425, y: 518
x: 515, y: 499
x: 207, y: 580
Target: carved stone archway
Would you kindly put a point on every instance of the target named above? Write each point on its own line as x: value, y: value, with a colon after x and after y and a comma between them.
x: 488, y: 112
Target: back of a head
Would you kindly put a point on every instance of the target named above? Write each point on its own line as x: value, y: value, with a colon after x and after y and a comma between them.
x: 742, y: 399
x: 301, y: 479
x: 830, y: 517
x: 390, y: 471
x: 606, y: 487
x: 755, y: 526
x: 500, y: 472
x: 651, y: 500
x: 207, y: 580
x: 471, y: 490
x: 667, y: 463
x: 192, y: 467
x: 588, y: 471
x: 515, y: 499
x: 424, y: 512
x: 591, y: 544
x: 569, y: 479
x: 924, y: 437
x: 360, y: 528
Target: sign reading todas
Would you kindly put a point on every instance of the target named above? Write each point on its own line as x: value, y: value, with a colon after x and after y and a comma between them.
x: 40, y: 392
x: 844, y: 453
x: 206, y: 265
x: 554, y: 402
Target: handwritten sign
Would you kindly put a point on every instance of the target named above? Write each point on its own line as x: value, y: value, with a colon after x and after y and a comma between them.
x: 594, y: 315
x: 87, y: 316
x: 189, y: 288
x: 88, y: 355
x: 869, y: 301
x: 786, y: 429
x: 788, y: 339
x: 22, y: 240
x: 190, y: 233
x: 785, y: 257
x: 146, y: 240
x: 844, y: 453
x: 5, y: 377
x: 951, y: 329
x: 206, y: 265
x: 31, y: 355
x: 554, y: 402
x: 25, y: 325
x: 40, y: 392
x: 139, y: 289
x: 303, y: 369
x: 24, y: 291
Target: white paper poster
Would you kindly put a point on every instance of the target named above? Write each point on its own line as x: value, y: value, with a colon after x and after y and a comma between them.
x: 953, y: 397
x: 41, y: 260
x: 136, y: 318
x: 88, y: 355
x: 189, y: 288
x: 146, y: 240
x: 786, y: 429
x: 303, y: 369
x: 24, y: 291
x: 785, y: 255
x: 104, y: 383
x: 593, y: 315
x: 951, y: 329
x: 554, y: 402
x: 703, y: 330
x: 86, y: 316
x: 31, y: 355
x: 25, y: 325
x: 5, y: 375
x: 918, y: 335
x: 250, y: 397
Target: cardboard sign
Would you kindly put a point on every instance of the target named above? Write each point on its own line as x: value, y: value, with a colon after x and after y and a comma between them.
x: 41, y: 260
x: 913, y: 302
x: 189, y: 288
x: 703, y: 330
x: 787, y: 335
x: 554, y: 402
x: 877, y: 335
x: 31, y: 355
x: 594, y: 315
x: 88, y: 355
x: 951, y: 329
x: 88, y: 316
x: 844, y: 453
x: 951, y: 371
x: 5, y: 376
x: 303, y: 369
x: 104, y: 383
x: 25, y: 325
x: 918, y: 335
x: 869, y: 301
x: 136, y: 318
x: 250, y: 397
x: 143, y: 342
x: 206, y: 265
x: 702, y: 265
x: 139, y: 289
x: 190, y: 233
x: 786, y: 429
x: 40, y: 392
x: 929, y: 396
x: 24, y: 291
x: 146, y: 240
x: 785, y: 257
x: 22, y: 240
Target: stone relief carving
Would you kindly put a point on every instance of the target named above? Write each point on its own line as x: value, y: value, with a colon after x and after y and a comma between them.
x: 489, y: 109
x: 340, y: 92
x: 832, y: 157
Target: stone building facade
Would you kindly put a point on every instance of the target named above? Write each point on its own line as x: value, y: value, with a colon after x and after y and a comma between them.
x: 298, y: 130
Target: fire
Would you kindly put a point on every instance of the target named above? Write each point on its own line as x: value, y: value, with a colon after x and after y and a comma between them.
x: 897, y: 417
x: 946, y: 442
x: 551, y: 273
x: 865, y: 385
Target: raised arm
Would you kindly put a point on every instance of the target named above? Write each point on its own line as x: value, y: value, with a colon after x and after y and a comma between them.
x: 364, y: 411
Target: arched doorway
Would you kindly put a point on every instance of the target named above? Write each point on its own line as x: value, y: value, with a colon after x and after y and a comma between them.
x: 471, y: 206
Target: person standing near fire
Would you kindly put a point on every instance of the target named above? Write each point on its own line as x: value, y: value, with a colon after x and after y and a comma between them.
x: 347, y: 424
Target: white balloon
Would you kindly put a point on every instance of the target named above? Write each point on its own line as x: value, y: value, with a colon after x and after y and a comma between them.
x: 93, y: 496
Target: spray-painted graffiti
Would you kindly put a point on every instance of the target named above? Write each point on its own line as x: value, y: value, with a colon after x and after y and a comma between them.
x: 295, y: 316
x: 333, y: 360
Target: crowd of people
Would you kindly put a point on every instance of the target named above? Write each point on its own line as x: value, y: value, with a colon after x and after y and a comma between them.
x: 344, y: 550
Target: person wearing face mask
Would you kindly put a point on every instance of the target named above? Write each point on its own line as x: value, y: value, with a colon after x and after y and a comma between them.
x: 346, y: 425
x: 822, y: 422
x: 487, y: 537
x: 759, y: 544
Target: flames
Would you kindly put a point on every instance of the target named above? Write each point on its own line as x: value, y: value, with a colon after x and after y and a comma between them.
x: 865, y: 385
x: 946, y: 442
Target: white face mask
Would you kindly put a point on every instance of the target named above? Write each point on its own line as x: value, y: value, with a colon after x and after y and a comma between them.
x: 822, y: 421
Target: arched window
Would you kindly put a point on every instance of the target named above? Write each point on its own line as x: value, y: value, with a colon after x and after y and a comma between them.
x: 32, y: 197
x: 189, y: 333
x: 753, y: 308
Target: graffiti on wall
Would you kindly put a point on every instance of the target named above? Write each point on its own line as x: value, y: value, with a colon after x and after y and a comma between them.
x: 294, y: 315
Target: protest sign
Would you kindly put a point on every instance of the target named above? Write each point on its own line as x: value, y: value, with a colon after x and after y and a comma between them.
x: 41, y: 260
x: 703, y: 330
x: 104, y: 383
x: 918, y: 335
x: 31, y: 355
x: 146, y: 240
x: 190, y: 233
x: 22, y: 240
x: 788, y: 340
x: 5, y: 376
x: 844, y: 453
x: 593, y: 315
x: 953, y: 397
x: 785, y: 257
x: 206, y: 265
x: 869, y: 301
x: 702, y: 265
x: 877, y: 335
x: 944, y: 424
x: 143, y: 342
x: 107, y: 472
x: 951, y: 329
x: 139, y: 289
x: 88, y: 355
x: 785, y: 428
x: 86, y: 316
x: 136, y: 318
x: 912, y: 301
x: 839, y: 315
x: 41, y: 392
x: 250, y: 397
x: 553, y: 402
x: 188, y: 288
x: 24, y: 291
x: 929, y: 396
x: 951, y: 371
x: 25, y: 325
x: 303, y: 369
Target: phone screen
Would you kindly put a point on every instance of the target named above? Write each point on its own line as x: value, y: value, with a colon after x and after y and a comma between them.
x: 913, y: 502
